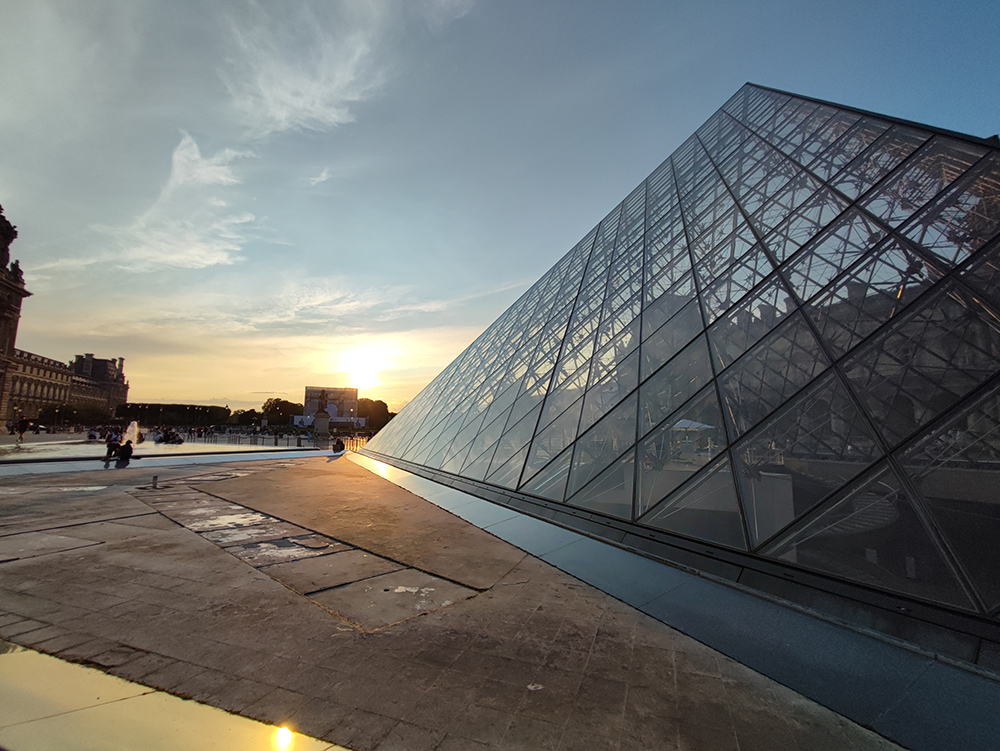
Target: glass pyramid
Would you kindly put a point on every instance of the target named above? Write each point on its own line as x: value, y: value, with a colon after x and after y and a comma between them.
x: 783, y: 344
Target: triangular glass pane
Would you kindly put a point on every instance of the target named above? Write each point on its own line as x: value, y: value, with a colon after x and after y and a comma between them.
x: 610, y: 492
x: 515, y: 438
x: 872, y: 534
x: 801, y: 455
x: 674, y: 384
x: 670, y: 339
x: 790, y: 197
x: 737, y: 281
x: 453, y: 463
x: 617, y: 370
x: 960, y: 222
x: 502, y: 403
x: 560, y: 400
x: 603, y: 443
x: 436, y: 460
x: 680, y: 446
x: 487, y: 438
x: 624, y: 326
x: 574, y: 361
x: 667, y: 304
x: 831, y: 131
x: 939, y: 162
x: 956, y: 471
x: 477, y: 469
x: 880, y: 288
x: 802, y: 225
x: 725, y: 255
x: 984, y: 272
x: 550, y: 483
x: 856, y: 140
x: 708, y: 238
x: 771, y: 373
x: 879, y: 159
x: 849, y: 238
x: 508, y: 475
x: 704, y: 508
x: 525, y: 403
x: 468, y: 433
x: 553, y: 439
x: 925, y: 361
x: 747, y: 323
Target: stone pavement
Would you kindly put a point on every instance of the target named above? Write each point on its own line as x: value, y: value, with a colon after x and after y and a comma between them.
x: 314, y: 593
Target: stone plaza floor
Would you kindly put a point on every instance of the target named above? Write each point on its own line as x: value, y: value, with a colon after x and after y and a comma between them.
x: 311, y: 593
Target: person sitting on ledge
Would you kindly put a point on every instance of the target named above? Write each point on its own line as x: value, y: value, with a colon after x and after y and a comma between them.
x: 113, y: 445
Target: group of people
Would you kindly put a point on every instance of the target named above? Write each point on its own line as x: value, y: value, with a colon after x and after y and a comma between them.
x: 118, y: 450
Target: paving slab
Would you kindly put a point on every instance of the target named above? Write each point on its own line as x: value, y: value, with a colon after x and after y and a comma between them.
x: 327, y: 571
x: 381, y: 601
x: 30, y: 544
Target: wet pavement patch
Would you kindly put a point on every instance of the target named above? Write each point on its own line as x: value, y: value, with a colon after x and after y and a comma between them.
x: 258, y: 533
x: 280, y: 551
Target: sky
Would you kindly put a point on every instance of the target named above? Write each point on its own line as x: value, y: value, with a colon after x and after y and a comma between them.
x: 245, y: 198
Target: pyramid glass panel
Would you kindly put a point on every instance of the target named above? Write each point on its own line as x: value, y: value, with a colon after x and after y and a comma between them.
x: 955, y: 470
x: 610, y: 492
x: 873, y: 534
x: 705, y: 508
x: 784, y: 344
x: 679, y: 446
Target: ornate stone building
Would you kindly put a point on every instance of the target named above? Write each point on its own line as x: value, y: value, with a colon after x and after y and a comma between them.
x: 33, y: 382
x: 29, y: 382
x: 12, y: 292
x: 98, y: 384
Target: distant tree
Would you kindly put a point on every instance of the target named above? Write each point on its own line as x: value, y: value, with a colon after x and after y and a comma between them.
x: 279, y: 410
x: 377, y: 412
x: 246, y: 416
x: 173, y: 414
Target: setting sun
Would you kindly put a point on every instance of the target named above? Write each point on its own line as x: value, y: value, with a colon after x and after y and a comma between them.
x: 363, y: 365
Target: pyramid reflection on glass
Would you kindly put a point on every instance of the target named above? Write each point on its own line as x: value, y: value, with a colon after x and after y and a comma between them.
x: 784, y: 345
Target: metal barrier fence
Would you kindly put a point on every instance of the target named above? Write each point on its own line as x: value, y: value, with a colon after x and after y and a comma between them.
x: 351, y: 443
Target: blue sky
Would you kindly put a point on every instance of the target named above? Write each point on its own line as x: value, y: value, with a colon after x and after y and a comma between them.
x: 245, y: 198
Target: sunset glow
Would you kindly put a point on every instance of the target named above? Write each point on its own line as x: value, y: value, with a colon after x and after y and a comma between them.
x: 363, y: 366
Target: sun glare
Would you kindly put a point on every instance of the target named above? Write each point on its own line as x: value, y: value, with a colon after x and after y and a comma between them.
x: 363, y: 365
x: 282, y: 740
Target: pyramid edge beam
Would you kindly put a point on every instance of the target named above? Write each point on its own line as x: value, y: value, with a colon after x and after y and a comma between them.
x: 991, y: 142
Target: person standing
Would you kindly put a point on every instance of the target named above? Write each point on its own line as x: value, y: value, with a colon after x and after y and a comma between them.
x: 22, y: 427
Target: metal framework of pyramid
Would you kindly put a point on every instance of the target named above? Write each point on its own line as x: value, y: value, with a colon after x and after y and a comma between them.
x: 782, y: 349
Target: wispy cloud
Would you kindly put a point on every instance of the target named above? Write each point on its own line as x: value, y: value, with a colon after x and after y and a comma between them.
x: 441, y: 12
x: 304, y: 68
x: 322, y: 177
x: 188, y: 226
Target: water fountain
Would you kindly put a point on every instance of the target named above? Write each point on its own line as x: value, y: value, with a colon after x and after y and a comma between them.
x: 131, y: 433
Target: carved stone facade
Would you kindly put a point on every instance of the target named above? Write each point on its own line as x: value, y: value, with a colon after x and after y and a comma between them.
x: 12, y: 292
x: 98, y: 384
x: 34, y: 382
